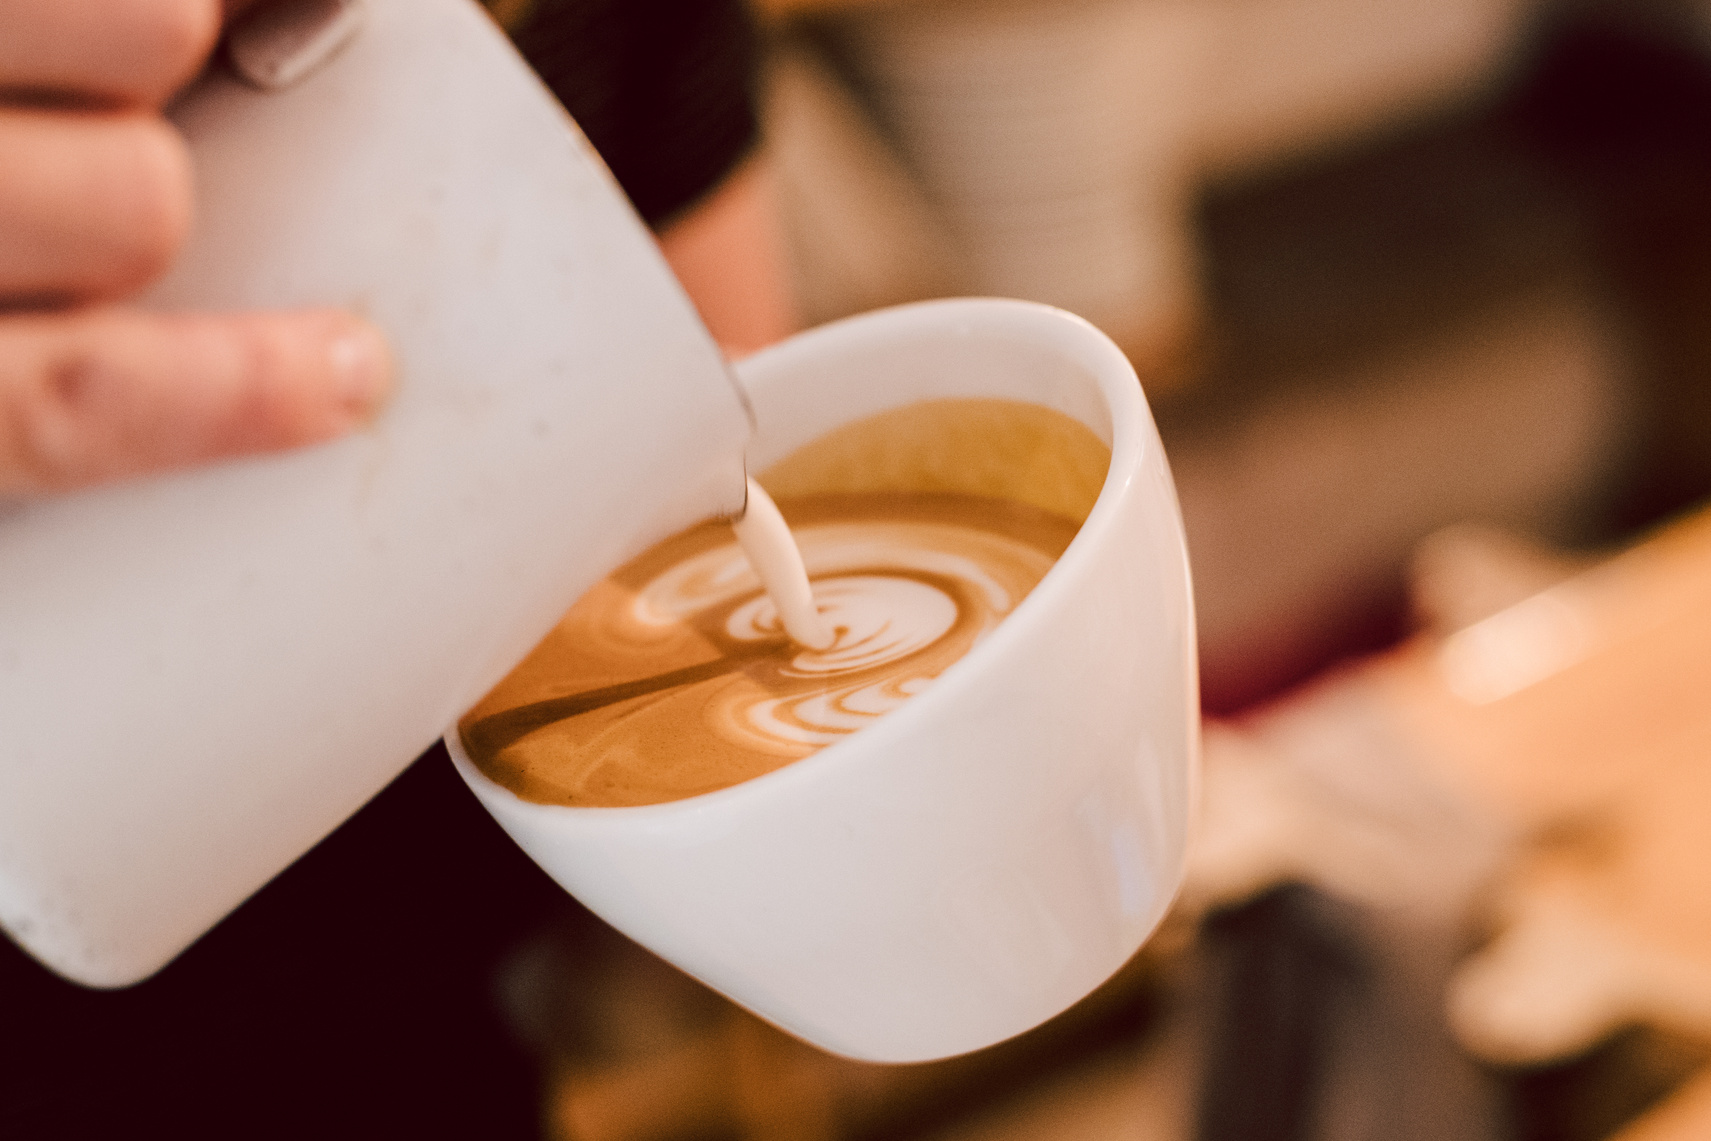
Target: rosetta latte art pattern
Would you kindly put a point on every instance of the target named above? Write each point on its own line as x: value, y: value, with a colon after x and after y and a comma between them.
x: 675, y: 676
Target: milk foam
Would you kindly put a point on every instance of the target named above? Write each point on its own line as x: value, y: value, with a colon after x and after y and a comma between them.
x: 875, y: 619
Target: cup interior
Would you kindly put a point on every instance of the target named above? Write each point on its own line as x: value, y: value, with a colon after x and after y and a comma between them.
x: 996, y: 449
x: 1019, y: 423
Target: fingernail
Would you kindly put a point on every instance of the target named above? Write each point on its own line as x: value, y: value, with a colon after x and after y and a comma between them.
x: 362, y: 370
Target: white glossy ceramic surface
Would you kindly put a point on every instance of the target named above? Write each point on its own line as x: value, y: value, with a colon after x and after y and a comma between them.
x: 202, y: 675
x: 978, y: 860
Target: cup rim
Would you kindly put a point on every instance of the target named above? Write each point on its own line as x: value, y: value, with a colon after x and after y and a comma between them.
x: 1082, y: 343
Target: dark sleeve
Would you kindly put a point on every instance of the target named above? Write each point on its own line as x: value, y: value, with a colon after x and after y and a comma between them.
x: 662, y: 88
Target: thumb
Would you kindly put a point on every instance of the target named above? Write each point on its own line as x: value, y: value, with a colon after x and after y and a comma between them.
x: 97, y: 395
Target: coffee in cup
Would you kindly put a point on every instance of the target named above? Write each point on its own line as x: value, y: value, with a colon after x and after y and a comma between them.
x: 675, y: 676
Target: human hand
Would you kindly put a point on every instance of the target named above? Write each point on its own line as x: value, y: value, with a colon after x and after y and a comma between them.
x: 95, y: 199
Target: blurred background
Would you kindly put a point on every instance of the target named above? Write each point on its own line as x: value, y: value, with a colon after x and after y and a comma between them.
x: 1419, y: 294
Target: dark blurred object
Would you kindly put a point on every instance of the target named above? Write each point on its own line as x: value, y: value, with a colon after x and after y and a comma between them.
x: 1617, y: 96
x: 1589, y: 1098
x: 662, y: 88
x: 1288, y: 969
x: 1326, y: 1024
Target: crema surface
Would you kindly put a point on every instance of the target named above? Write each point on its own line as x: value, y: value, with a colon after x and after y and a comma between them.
x: 673, y: 677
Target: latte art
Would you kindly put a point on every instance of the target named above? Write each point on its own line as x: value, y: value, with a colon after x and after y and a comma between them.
x: 675, y: 677
x: 877, y: 618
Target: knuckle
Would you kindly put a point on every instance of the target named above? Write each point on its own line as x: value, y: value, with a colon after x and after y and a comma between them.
x: 278, y: 408
x: 51, y: 428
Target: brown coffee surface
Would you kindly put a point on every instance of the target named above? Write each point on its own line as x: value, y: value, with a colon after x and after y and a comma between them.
x: 673, y: 677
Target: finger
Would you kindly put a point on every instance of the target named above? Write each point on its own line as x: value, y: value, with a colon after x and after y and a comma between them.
x: 100, y: 395
x: 91, y: 204
x: 124, y: 51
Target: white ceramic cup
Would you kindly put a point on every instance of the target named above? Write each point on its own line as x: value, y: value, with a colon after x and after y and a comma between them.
x: 978, y: 860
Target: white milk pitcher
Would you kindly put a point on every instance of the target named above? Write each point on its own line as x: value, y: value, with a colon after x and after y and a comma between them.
x: 201, y: 675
